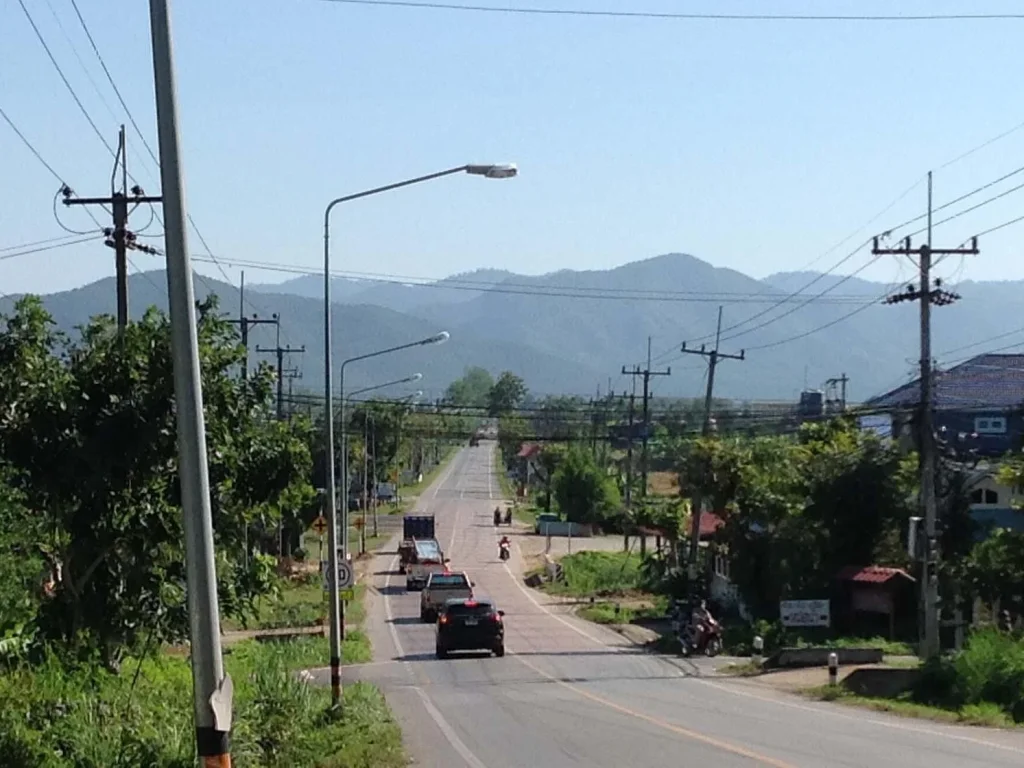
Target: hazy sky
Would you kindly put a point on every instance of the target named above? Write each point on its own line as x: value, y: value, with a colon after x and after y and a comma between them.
x: 752, y: 145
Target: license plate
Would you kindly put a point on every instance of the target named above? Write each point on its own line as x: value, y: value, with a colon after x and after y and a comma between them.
x: 472, y: 622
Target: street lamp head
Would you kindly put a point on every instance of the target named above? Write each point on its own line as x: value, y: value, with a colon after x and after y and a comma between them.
x: 500, y: 171
x: 415, y: 377
x: 438, y: 338
x: 416, y: 395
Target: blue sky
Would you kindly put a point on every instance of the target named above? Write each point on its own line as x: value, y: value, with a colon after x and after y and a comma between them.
x: 752, y: 145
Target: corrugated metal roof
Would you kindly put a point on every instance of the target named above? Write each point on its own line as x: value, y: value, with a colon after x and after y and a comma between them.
x: 871, y: 574
x: 709, y: 523
x: 985, y: 381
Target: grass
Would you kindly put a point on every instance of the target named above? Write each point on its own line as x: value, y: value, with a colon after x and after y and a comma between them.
x: 598, y: 574
x: 52, y: 715
x: 986, y: 714
x: 742, y: 669
x: 739, y: 639
x: 618, y: 613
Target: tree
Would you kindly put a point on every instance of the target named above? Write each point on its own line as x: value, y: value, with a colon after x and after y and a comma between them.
x: 507, y: 394
x: 472, y: 390
x: 90, y: 440
x: 512, y: 430
x: 995, y: 568
x: 584, y: 493
x: 550, y: 459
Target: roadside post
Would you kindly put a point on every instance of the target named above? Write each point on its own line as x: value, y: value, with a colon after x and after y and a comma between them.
x: 833, y: 668
x: 320, y: 527
x: 758, y: 650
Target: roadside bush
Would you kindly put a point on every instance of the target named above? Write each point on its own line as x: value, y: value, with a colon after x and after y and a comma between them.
x: 600, y: 573
x: 53, y: 715
x: 989, y: 671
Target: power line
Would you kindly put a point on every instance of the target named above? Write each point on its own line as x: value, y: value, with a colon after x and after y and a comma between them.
x: 30, y: 146
x: 34, y: 243
x: 680, y: 16
x: 16, y: 254
x: 63, y: 77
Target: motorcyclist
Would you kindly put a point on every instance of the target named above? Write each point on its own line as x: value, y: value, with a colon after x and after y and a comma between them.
x: 508, y: 516
x: 497, y: 516
x: 503, y: 545
x: 700, y: 619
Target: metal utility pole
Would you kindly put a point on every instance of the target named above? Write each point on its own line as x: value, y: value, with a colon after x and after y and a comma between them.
x: 280, y: 352
x: 714, y: 356
x: 830, y: 386
x: 646, y: 374
x: 212, y: 688
x: 245, y: 323
x: 119, y: 237
x: 927, y: 293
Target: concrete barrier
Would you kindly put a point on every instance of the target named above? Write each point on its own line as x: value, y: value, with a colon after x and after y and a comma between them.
x: 818, y: 657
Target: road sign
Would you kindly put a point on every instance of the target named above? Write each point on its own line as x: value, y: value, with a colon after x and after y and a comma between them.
x: 346, y: 578
x: 347, y: 594
x: 320, y: 525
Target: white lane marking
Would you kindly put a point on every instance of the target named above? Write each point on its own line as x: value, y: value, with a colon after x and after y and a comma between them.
x: 443, y: 725
x: 859, y: 718
x: 449, y: 733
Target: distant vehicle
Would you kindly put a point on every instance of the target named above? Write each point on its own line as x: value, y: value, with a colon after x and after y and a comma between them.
x: 413, y: 527
x: 428, y: 559
x: 542, y: 520
x: 440, y: 588
x: 469, y: 625
x: 474, y: 441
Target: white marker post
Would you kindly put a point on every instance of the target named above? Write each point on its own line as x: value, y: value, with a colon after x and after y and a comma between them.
x: 758, y: 650
x: 833, y: 669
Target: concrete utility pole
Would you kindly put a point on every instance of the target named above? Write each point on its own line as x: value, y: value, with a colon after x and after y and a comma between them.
x: 212, y: 689
x: 245, y: 323
x: 280, y: 352
x: 927, y: 294
x: 646, y: 374
x: 714, y: 356
x: 119, y: 237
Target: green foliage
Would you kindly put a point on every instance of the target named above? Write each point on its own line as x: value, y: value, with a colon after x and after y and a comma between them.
x: 511, y: 432
x: 52, y: 715
x: 597, y: 574
x: 584, y: 492
x: 797, y: 511
x: 507, y: 394
x: 90, y: 440
x: 995, y: 567
x: 989, y: 671
x: 472, y: 390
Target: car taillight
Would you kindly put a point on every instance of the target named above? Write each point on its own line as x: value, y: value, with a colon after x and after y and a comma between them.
x: 496, y: 617
x: 443, y: 620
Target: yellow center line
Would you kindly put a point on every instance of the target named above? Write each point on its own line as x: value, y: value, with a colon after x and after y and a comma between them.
x: 703, y: 738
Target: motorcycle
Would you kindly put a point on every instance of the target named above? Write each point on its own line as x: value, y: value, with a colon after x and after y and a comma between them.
x: 709, y: 644
x: 497, y: 518
x: 508, y: 517
x: 503, y: 551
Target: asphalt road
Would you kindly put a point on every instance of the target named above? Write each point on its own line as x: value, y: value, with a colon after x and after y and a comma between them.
x: 573, y: 694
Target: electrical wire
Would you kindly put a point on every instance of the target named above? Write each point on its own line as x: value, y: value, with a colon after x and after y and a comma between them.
x: 63, y: 77
x: 680, y: 16
x: 30, y: 146
x: 34, y: 243
x: 40, y: 249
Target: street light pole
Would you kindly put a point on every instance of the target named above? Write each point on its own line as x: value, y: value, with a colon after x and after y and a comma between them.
x: 336, y: 620
x: 437, y: 338
x: 212, y: 689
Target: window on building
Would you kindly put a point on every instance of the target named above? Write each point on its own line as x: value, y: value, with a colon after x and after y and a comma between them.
x: 984, y: 496
x: 990, y: 425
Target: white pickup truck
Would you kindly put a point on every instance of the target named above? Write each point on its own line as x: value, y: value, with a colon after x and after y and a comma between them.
x: 440, y: 588
x: 428, y: 559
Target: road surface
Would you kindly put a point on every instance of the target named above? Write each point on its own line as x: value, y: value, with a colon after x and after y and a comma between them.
x: 570, y: 693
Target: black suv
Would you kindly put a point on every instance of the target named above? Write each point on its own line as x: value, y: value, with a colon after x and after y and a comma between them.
x: 467, y: 624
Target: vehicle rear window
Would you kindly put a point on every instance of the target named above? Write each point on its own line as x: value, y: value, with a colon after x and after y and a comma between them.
x: 448, y: 580
x: 475, y: 609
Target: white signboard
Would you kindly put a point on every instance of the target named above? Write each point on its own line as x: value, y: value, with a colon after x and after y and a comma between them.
x: 805, y: 613
x: 345, y: 575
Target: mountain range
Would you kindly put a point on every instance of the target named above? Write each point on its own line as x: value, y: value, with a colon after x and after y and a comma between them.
x: 570, y: 331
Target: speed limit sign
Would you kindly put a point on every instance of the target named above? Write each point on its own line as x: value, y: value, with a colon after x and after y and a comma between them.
x: 346, y: 578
